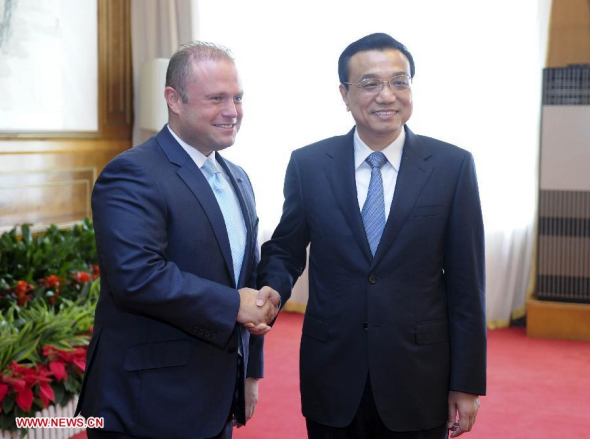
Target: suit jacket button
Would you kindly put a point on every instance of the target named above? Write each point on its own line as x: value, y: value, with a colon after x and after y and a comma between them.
x: 372, y: 279
x: 365, y: 326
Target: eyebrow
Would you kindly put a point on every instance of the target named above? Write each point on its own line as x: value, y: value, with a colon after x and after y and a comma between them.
x: 374, y: 75
x: 223, y: 94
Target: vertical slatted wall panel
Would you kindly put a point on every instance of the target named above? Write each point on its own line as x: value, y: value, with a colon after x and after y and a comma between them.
x: 563, y: 263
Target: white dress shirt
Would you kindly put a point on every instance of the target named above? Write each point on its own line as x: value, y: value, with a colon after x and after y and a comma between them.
x: 389, y: 170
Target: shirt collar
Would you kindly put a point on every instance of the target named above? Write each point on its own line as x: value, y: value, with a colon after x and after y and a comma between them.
x: 198, y: 157
x: 393, y: 151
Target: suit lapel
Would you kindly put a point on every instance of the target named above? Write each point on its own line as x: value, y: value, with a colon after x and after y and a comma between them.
x: 413, y: 174
x: 190, y: 173
x: 339, y: 169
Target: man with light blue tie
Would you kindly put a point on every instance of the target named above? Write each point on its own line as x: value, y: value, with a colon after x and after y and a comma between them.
x: 177, y: 345
x: 394, y: 335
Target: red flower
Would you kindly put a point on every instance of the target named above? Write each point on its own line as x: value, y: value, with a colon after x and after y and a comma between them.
x: 82, y: 277
x: 52, y: 281
x: 80, y: 362
x: 58, y: 369
x: 95, y: 271
x: 33, y: 383
x: 23, y: 378
x: 59, y: 358
x: 17, y: 384
x: 21, y: 291
x: 46, y: 394
x: 24, y: 399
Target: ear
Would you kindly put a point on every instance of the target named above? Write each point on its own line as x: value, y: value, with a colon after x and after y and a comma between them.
x: 344, y: 94
x: 173, y: 100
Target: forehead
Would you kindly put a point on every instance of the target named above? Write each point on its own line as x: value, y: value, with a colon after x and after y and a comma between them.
x: 215, y: 75
x: 377, y: 63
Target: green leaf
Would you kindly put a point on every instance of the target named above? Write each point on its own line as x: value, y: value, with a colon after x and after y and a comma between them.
x: 7, y: 421
x: 8, y: 402
x: 71, y: 385
x: 26, y: 233
x: 37, y: 405
x: 58, y: 391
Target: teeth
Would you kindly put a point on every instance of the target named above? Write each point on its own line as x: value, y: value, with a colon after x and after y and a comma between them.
x: 225, y: 126
x: 384, y: 113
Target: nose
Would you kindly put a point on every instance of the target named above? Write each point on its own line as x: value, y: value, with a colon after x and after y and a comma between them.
x: 386, y: 94
x: 230, y: 110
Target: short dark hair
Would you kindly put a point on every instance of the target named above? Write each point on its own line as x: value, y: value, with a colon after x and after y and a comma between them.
x: 378, y: 41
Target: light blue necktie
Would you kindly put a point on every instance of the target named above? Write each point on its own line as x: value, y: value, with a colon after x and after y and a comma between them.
x: 374, y: 207
x: 232, y: 214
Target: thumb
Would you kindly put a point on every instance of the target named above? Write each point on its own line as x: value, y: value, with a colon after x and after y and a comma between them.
x: 262, y: 296
x: 452, y: 418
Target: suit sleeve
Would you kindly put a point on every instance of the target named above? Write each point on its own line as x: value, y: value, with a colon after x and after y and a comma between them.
x: 284, y: 255
x: 130, y: 220
x: 465, y: 281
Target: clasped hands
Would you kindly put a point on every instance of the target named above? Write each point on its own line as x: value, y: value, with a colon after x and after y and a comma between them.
x: 258, y: 309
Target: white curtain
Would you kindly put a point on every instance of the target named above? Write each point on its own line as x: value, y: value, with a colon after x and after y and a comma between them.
x: 478, y: 85
x: 158, y: 27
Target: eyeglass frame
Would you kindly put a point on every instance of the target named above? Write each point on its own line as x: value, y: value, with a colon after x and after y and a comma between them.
x: 382, y: 82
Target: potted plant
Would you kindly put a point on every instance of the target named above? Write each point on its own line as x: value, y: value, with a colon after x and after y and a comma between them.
x: 48, y: 293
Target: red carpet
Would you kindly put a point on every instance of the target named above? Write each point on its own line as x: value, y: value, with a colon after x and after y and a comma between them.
x: 278, y: 413
x: 537, y: 389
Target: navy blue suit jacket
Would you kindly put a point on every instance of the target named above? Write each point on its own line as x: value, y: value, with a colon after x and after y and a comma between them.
x: 163, y: 358
x: 412, y: 317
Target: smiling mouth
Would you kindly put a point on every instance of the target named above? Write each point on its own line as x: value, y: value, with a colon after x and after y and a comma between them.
x: 385, y: 112
x: 225, y: 126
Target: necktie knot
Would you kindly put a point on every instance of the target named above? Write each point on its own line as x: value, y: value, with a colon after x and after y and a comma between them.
x: 213, y: 175
x: 376, y: 160
x: 210, y: 168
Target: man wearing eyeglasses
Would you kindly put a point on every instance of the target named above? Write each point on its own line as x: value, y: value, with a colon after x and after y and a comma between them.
x: 394, y: 336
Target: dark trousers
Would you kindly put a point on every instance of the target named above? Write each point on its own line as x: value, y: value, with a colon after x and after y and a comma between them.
x: 367, y: 424
x: 226, y: 433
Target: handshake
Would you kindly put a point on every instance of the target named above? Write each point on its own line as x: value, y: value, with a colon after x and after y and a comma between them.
x: 258, y: 309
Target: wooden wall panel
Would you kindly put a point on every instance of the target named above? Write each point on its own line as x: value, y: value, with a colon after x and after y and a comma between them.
x: 569, y: 33
x: 49, y: 197
x: 49, y: 180
x: 115, y: 103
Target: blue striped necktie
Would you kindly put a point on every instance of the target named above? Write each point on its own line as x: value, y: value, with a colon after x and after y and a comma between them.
x: 374, y: 207
x: 232, y: 214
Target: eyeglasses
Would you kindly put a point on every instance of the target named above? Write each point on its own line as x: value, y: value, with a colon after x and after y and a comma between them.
x: 373, y: 86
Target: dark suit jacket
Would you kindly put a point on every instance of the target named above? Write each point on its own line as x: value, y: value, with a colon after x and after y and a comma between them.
x: 413, y: 316
x: 163, y: 358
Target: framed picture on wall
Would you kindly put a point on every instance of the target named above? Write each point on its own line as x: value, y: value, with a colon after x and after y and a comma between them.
x: 48, y: 68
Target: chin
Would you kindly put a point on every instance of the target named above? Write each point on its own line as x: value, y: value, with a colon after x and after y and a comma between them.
x: 222, y: 146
